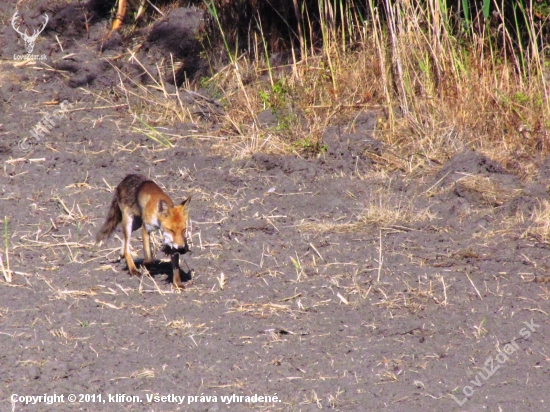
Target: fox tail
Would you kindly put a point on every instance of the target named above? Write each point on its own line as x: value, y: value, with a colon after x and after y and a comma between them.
x: 114, y: 217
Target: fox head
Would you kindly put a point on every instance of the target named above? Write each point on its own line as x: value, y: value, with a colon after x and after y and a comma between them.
x: 173, y: 224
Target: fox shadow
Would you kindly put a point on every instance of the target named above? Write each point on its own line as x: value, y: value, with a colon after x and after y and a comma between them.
x: 165, y: 268
x: 159, y: 268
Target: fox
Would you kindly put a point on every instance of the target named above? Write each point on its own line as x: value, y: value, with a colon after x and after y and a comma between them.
x: 140, y: 202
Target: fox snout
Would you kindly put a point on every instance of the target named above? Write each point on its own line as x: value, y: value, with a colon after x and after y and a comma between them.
x: 170, y: 249
x: 175, y: 242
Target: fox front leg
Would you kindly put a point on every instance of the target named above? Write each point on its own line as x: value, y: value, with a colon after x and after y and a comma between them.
x: 176, y: 271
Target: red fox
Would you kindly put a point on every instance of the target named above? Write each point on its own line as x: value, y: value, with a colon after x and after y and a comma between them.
x: 140, y: 202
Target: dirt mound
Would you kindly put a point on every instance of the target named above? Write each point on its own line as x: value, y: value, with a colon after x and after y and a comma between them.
x: 170, y: 48
x: 348, y: 146
x: 471, y: 184
x: 178, y: 34
x: 286, y: 165
x: 476, y: 178
x: 467, y: 163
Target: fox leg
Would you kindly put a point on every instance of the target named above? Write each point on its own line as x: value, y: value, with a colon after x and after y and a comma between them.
x: 148, y: 259
x: 176, y: 275
x: 127, y: 229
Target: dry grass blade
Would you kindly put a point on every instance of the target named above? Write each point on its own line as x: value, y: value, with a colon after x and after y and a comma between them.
x: 147, y: 275
x: 475, y: 288
x: 221, y: 280
x: 6, y: 272
x: 258, y: 309
x: 75, y: 294
x: 143, y: 374
x: 187, y: 327
x: 109, y: 305
x: 380, y: 258
x: 342, y: 299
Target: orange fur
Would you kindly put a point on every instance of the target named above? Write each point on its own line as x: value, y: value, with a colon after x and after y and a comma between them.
x: 139, y: 202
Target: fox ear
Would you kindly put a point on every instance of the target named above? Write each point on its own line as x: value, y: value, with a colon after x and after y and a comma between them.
x: 162, y: 206
x: 186, y: 202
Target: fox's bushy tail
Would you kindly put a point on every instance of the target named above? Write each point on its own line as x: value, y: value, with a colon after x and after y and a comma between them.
x: 114, y: 217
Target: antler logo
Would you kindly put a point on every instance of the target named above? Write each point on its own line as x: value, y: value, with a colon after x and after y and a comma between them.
x: 29, y: 39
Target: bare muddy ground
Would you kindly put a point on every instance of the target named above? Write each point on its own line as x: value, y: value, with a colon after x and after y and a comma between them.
x: 323, y: 283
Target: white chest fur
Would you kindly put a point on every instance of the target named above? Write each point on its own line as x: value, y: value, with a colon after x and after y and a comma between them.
x: 151, y: 227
